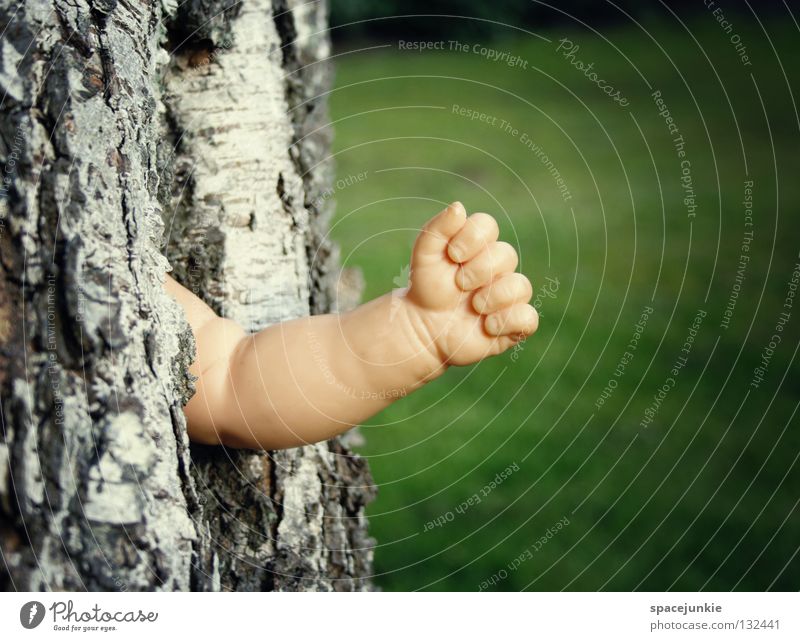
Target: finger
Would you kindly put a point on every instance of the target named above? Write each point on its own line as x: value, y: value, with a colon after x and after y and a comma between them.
x: 437, y: 232
x: 478, y: 232
x: 506, y: 290
x: 497, y: 259
x: 502, y: 343
x: 518, y: 321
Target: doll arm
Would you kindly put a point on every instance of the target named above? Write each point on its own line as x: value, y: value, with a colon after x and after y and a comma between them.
x: 309, y: 379
x: 301, y: 381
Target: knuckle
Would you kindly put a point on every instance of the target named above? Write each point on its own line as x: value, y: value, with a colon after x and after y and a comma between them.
x: 532, y: 320
x: 518, y: 285
x: 506, y: 252
x: 486, y: 223
x: 489, y: 267
x: 456, y: 245
x: 472, y: 275
x: 462, y: 277
x: 503, y: 247
x: 470, y: 268
x: 493, y: 324
x: 480, y: 300
x: 505, y: 290
x: 526, y: 286
x: 481, y: 274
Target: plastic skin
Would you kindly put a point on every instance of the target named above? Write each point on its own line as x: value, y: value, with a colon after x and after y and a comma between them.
x: 309, y: 379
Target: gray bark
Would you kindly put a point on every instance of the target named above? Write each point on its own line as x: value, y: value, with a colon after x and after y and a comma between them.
x: 133, y: 134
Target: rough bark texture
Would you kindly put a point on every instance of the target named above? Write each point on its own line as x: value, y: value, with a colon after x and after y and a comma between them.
x: 130, y: 131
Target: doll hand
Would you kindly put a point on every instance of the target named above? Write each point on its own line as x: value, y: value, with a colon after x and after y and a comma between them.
x: 464, y: 299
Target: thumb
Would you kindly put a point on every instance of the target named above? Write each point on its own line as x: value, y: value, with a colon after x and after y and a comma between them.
x: 431, y: 244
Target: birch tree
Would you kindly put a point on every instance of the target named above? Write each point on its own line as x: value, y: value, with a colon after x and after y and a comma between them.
x: 135, y: 137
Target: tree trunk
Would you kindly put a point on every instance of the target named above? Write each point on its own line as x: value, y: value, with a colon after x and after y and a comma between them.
x: 133, y: 133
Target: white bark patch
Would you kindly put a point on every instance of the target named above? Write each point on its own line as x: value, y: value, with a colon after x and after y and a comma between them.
x: 117, y: 503
x: 113, y: 494
x: 232, y: 113
x: 310, y: 22
x: 301, y: 526
x: 10, y: 82
x: 31, y: 469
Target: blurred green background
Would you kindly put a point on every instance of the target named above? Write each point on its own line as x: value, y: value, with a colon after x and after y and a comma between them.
x: 703, y: 497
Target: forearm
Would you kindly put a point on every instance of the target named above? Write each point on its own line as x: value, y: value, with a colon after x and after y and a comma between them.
x: 309, y: 379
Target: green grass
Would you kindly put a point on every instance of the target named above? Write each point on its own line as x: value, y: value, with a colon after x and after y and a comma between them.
x: 705, y: 496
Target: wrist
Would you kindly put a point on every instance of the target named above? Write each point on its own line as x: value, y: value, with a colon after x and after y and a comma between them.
x: 419, y: 337
x: 392, y: 345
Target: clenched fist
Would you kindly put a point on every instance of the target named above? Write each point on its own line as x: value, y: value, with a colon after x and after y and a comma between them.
x: 464, y: 299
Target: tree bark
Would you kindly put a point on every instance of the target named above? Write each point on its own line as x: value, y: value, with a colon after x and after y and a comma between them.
x: 133, y: 134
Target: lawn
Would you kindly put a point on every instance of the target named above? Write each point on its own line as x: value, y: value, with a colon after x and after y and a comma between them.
x: 633, y: 251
